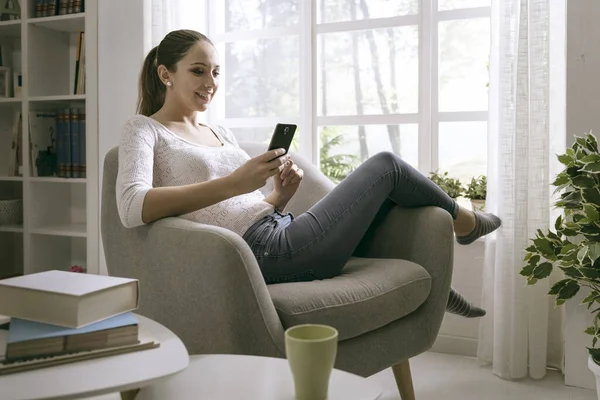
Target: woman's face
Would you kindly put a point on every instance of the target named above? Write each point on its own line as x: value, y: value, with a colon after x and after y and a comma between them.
x: 196, y: 80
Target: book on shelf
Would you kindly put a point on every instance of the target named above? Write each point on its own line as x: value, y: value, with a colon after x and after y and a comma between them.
x: 68, y: 299
x: 57, y: 143
x: 79, y: 84
x: 30, y: 339
x: 49, y: 8
x: 15, y: 157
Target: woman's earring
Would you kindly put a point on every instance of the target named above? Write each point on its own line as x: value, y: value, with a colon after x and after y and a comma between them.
x: 168, y: 83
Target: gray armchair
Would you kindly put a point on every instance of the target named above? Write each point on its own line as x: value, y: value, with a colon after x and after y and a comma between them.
x: 204, y: 283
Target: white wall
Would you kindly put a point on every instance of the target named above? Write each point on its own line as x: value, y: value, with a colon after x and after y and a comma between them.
x: 583, y: 106
x: 121, y: 50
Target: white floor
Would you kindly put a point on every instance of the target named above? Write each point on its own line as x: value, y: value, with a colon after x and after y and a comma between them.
x: 447, y: 377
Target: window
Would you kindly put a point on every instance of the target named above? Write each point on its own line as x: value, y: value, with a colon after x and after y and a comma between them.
x: 358, y: 77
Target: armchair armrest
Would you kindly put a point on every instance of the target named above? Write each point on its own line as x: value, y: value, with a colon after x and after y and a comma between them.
x: 424, y: 236
x: 204, y: 283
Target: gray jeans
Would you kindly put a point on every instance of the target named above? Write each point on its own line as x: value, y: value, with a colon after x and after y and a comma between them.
x: 318, y: 243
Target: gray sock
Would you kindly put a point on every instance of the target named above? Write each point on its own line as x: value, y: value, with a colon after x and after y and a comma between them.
x: 484, y: 224
x: 459, y: 306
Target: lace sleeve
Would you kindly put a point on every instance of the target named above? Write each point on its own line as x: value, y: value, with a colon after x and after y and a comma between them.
x: 136, y: 165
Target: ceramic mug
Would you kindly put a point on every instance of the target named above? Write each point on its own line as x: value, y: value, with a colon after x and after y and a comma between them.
x: 311, y: 350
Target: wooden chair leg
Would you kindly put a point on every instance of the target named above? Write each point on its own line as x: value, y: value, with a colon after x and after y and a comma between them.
x: 129, y: 394
x: 404, y: 380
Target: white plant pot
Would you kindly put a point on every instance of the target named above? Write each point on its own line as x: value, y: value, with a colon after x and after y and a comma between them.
x: 478, y: 205
x: 595, y: 368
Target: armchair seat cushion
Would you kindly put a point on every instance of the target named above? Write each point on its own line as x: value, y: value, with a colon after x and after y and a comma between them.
x: 368, y: 294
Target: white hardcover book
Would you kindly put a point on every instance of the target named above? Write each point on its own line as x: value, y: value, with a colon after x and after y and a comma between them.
x: 69, y: 299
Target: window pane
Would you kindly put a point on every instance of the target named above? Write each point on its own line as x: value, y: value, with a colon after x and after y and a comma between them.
x: 259, y: 14
x: 462, y: 161
x: 340, y: 146
x: 454, y: 4
x: 349, y: 10
x: 262, y: 78
x: 464, y: 48
x: 368, y: 72
x: 262, y: 135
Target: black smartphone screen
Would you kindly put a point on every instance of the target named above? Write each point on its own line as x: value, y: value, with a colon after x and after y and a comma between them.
x: 282, y: 137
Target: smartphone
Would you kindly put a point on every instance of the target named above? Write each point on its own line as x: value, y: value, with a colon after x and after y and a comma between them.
x: 282, y: 137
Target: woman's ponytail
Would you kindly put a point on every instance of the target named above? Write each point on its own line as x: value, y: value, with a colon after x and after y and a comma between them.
x: 151, y: 89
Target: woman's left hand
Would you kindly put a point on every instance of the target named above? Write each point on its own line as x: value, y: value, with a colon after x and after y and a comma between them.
x: 288, y: 181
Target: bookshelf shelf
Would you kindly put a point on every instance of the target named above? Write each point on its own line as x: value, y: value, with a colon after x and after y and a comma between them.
x: 54, y: 179
x: 70, y: 230
x: 71, y: 23
x: 11, y: 228
x: 11, y: 29
x: 59, y: 98
x: 60, y: 213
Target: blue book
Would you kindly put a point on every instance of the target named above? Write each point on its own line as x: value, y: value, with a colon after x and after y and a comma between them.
x: 21, y: 330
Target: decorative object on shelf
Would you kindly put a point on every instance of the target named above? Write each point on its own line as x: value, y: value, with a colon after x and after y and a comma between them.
x: 11, y: 211
x: 17, y: 84
x: 451, y: 186
x: 77, y: 268
x: 476, y: 191
x: 10, y: 10
x: 575, y: 246
x: 4, y: 81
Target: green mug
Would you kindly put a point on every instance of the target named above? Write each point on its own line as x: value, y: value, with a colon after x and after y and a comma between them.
x: 311, y: 350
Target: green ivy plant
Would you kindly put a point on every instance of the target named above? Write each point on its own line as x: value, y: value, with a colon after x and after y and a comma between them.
x: 574, y: 245
x: 477, y: 188
x: 451, y: 186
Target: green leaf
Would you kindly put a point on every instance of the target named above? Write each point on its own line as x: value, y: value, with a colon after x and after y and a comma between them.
x: 544, y: 247
x: 591, y: 273
x: 595, y: 353
x: 569, y: 290
x: 531, y: 280
x: 527, y: 270
x: 572, y: 272
x: 594, y: 252
x: 592, y: 144
x: 561, y: 179
x: 582, y: 253
x: 558, y: 223
x: 565, y: 159
x: 591, y: 212
x: 558, y: 286
x: 583, y: 181
x: 568, y: 247
x: 592, y: 158
x: 590, y: 298
x: 590, y: 330
x: 543, y: 270
x: 591, y: 195
x: 569, y: 232
x: 531, y: 249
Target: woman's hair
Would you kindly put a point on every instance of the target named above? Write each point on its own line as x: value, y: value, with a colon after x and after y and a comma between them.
x: 170, y: 50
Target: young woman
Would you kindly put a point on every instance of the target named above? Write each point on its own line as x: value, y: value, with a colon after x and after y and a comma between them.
x: 172, y: 165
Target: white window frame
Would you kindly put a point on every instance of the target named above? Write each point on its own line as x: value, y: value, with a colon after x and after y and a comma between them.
x: 428, y: 116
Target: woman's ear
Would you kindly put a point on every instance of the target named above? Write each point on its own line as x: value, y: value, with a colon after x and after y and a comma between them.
x: 164, y: 74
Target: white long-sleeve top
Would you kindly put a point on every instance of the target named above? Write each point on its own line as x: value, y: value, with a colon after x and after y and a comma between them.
x: 150, y: 155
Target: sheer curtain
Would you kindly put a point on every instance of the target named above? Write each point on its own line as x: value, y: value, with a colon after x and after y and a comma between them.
x: 163, y: 16
x: 522, y: 333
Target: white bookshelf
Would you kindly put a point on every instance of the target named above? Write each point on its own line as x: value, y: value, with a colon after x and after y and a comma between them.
x: 60, y: 215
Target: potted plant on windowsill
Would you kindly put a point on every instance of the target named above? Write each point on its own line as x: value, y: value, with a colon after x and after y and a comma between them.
x: 451, y: 186
x: 476, y: 192
x: 574, y: 246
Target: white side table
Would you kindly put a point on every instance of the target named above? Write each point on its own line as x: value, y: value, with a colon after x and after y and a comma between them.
x: 118, y: 373
x: 210, y: 377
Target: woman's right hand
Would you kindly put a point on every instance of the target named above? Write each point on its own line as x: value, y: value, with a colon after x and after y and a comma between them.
x: 256, y: 171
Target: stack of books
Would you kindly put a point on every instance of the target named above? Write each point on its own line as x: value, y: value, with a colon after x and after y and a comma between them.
x: 58, y: 317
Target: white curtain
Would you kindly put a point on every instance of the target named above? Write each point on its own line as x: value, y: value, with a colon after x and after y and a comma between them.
x: 163, y: 16
x: 521, y: 335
